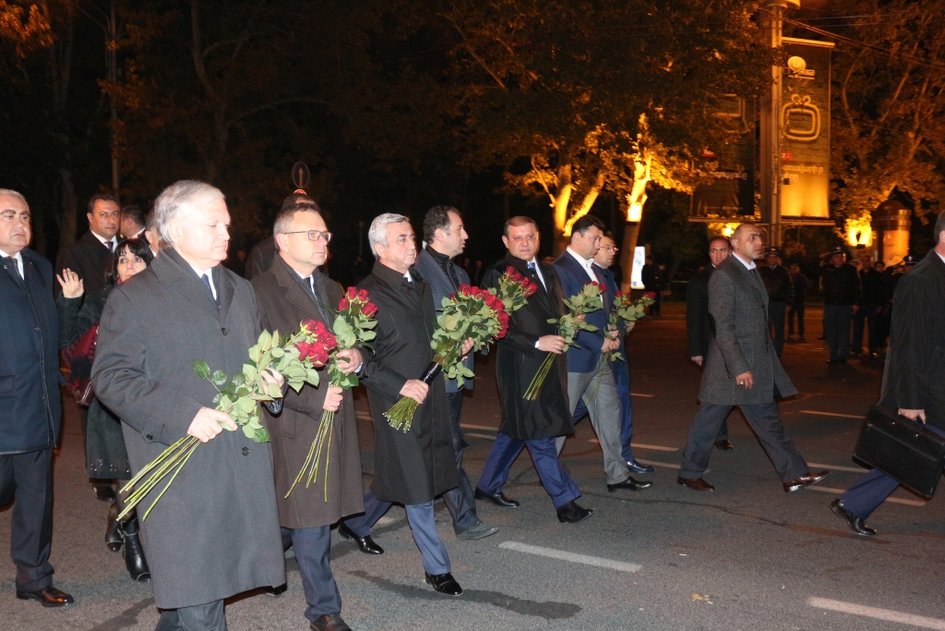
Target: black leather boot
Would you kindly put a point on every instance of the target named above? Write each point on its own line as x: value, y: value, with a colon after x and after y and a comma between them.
x: 134, y: 554
x: 113, y: 528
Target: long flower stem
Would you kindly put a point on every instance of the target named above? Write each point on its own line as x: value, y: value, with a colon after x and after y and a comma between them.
x: 539, y: 379
x: 177, y: 471
x: 171, y: 459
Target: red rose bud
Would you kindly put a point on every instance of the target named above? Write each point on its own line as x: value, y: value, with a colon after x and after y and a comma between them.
x: 352, y: 293
x: 363, y: 295
x: 309, y: 326
x: 343, y: 304
x: 651, y: 295
x: 369, y: 309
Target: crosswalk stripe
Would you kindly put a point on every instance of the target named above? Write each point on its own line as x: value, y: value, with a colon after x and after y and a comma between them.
x: 572, y: 557
x: 876, y: 613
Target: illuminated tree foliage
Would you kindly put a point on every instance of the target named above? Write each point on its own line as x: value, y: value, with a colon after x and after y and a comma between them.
x: 889, y: 102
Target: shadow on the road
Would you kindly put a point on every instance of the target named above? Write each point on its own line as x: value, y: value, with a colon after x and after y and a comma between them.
x: 542, y: 609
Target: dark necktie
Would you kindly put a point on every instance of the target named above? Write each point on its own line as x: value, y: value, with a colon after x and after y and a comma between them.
x: 409, y: 284
x: 110, y: 244
x: 533, y: 267
x: 317, y: 286
x: 206, y: 281
x: 12, y: 262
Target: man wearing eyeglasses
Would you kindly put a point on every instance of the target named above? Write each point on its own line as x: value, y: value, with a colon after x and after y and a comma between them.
x: 603, y: 261
x: 29, y: 401
x: 293, y: 289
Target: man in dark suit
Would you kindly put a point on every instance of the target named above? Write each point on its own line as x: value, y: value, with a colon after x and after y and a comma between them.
x: 742, y: 369
x: 912, y: 380
x: 29, y: 401
x: 133, y: 222
x: 589, y: 375
x: 533, y: 424
x: 412, y: 467
x: 215, y: 532
x: 777, y: 282
x: 446, y: 237
x: 698, y: 320
x: 293, y: 289
x: 603, y: 261
x: 91, y: 253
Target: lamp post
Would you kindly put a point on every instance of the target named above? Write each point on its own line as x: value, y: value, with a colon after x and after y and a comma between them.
x: 771, y: 128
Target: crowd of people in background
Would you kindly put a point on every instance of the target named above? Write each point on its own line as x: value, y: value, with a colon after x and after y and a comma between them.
x: 152, y: 290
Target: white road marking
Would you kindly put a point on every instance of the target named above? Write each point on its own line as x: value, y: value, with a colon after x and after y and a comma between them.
x: 571, y: 557
x: 893, y: 500
x: 642, y: 395
x: 471, y: 426
x: 836, y: 467
x: 480, y: 435
x: 653, y: 447
x: 858, y: 417
x: 876, y: 613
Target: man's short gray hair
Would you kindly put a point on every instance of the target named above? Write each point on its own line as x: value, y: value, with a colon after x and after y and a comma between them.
x: 377, y: 233
x: 17, y: 194
x: 175, y: 198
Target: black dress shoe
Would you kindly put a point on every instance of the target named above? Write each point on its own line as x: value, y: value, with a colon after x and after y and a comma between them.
x: 499, y: 499
x: 696, y: 484
x: 724, y: 444
x: 636, y: 467
x: 47, y: 597
x: 365, y: 544
x: 572, y: 513
x: 444, y: 583
x: 855, y: 523
x: 630, y: 484
x: 329, y: 622
x: 807, y: 479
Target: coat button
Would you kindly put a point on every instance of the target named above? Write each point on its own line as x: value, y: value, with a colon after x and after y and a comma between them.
x: 224, y: 331
x: 245, y: 451
x: 149, y: 436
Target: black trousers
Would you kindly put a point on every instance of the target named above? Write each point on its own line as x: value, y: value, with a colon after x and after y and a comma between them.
x: 26, y: 479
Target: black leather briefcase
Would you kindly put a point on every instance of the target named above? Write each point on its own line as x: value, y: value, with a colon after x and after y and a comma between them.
x: 905, y: 450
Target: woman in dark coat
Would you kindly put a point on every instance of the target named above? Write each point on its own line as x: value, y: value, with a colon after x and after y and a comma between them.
x: 106, y: 456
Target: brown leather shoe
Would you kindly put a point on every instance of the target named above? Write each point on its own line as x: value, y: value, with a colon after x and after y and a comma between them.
x: 807, y: 479
x: 329, y: 622
x: 724, y: 444
x: 696, y: 484
x: 47, y: 597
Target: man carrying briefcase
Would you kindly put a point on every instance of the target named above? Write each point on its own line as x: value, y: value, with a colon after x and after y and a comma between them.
x: 914, y: 373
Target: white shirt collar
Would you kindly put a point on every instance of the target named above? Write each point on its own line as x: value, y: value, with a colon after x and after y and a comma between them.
x: 750, y: 265
x: 104, y: 241
x: 585, y: 263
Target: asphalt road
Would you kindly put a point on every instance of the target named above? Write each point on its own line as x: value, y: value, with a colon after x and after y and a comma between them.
x: 747, y: 557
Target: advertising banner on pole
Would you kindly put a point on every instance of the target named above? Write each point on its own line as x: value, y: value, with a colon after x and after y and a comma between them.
x: 805, y: 130
x: 727, y: 173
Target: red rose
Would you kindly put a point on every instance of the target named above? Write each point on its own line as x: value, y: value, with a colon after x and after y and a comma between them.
x: 369, y: 309
x: 343, y: 304
x: 363, y: 295
x: 352, y: 293
x: 309, y: 326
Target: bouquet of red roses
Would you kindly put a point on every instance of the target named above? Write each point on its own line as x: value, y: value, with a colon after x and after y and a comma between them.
x: 469, y: 313
x: 570, y: 324
x: 514, y: 290
x: 624, y: 311
x: 296, y: 358
x: 353, y: 326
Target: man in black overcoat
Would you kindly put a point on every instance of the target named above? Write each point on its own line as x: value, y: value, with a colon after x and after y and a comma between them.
x: 915, y: 372
x: 415, y: 466
x: 29, y: 401
x: 534, y: 424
